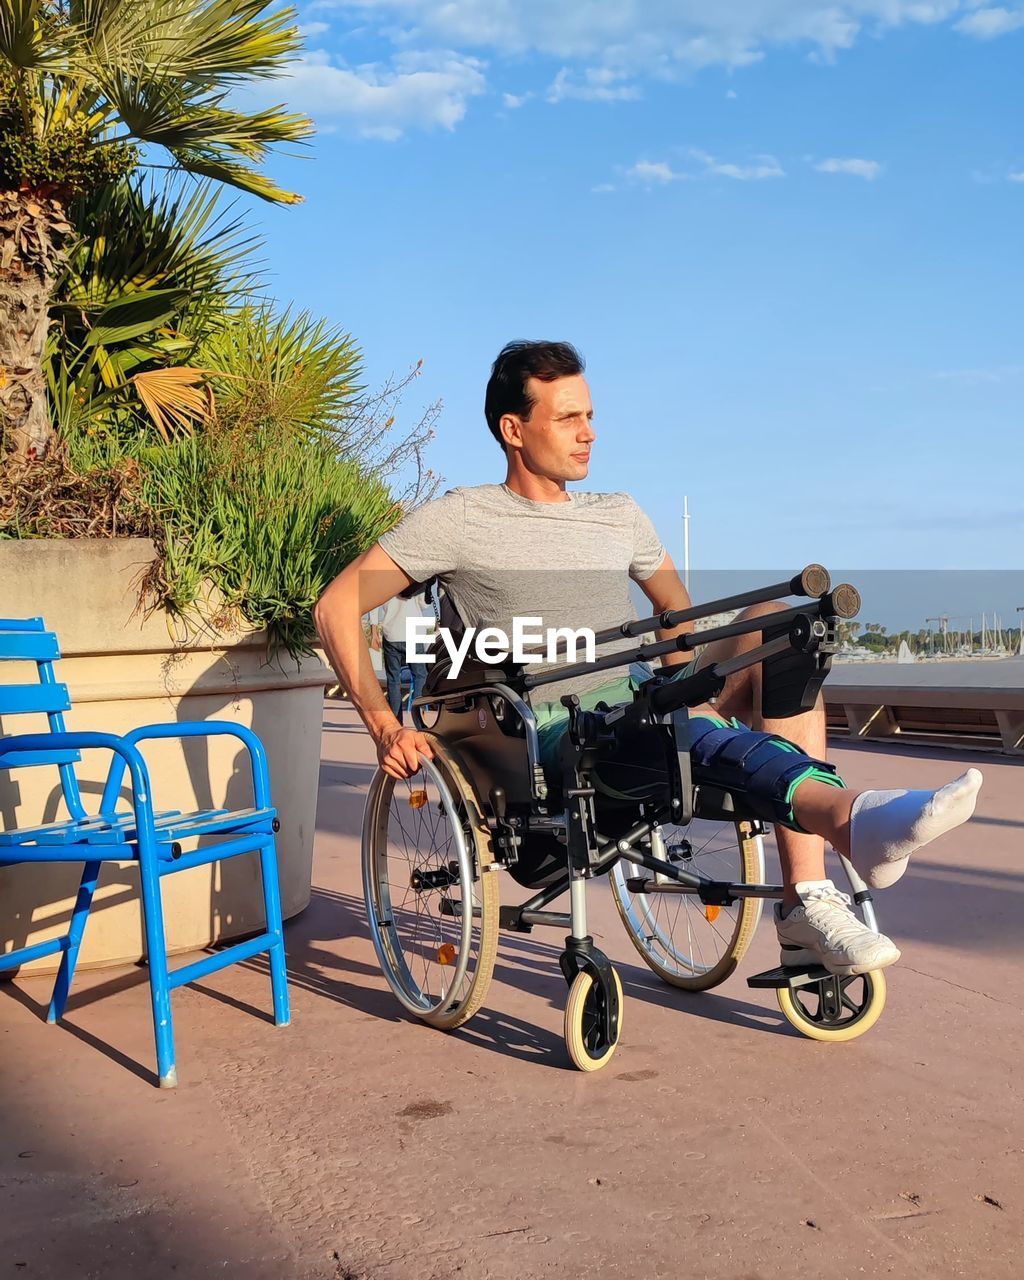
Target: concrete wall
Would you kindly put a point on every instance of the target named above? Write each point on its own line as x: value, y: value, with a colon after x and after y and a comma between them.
x: 974, y: 702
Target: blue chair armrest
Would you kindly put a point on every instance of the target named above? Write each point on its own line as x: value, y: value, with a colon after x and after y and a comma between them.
x: 125, y: 755
x: 197, y: 729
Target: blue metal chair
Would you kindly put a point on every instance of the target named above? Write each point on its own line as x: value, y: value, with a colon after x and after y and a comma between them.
x: 153, y: 840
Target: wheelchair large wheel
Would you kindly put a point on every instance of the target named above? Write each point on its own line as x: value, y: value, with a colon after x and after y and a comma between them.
x: 685, y: 942
x: 431, y: 890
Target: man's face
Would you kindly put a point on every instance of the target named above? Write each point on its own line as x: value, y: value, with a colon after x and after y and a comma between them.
x: 556, y: 439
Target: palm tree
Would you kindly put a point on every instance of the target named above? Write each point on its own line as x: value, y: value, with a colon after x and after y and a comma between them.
x: 88, y: 90
x: 150, y: 275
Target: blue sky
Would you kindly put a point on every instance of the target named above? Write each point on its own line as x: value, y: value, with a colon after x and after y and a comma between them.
x: 785, y: 234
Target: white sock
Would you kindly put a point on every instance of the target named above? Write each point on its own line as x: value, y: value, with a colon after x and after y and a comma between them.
x: 886, y: 827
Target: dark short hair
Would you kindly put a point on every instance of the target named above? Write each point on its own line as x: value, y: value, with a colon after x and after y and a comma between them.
x: 516, y: 363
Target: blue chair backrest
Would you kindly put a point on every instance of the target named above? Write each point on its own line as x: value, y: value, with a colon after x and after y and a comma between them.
x: 27, y: 640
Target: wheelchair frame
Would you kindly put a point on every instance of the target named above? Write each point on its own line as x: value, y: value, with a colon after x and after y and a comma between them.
x: 481, y: 728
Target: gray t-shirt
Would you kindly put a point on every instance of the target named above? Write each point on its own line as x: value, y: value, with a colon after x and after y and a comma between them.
x: 500, y: 556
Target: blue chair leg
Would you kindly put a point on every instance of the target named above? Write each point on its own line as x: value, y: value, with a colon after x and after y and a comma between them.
x: 275, y: 926
x: 159, y: 988
x: 66, y: 972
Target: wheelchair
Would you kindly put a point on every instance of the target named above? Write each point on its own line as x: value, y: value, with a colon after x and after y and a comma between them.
x: 686, y: 866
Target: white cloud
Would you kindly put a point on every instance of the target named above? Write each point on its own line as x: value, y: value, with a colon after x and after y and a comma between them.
x: 661, y: 172
x: 763, y: 167
x: 514, y: 100
x: 607, y: 49
x: 987, y: 24
x: 418, y: 90
x: 867, y: 169
x: 660, y: 37
x: 1015, y: 175
x: 653, y: 172
x: 599, y: 84
x: 979, y: 377
x: 603, y: 188
x: 310, y: 29
x: 730, y: 93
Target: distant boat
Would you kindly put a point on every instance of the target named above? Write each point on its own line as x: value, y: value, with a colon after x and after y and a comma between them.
x: 904, y: 654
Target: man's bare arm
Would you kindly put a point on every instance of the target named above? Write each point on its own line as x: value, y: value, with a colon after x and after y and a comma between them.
x: 370, y: 580
x: 665, y: 590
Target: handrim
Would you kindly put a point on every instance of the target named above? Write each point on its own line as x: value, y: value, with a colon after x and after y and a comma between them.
x: 454, y: 814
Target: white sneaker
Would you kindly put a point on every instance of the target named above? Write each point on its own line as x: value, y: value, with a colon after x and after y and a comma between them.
x: 824, y: 930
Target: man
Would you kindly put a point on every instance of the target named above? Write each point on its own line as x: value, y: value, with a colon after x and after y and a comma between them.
x: 388, y: 633
x: 529, y: 547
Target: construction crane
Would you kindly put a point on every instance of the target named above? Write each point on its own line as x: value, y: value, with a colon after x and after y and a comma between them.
x: 943, y: 621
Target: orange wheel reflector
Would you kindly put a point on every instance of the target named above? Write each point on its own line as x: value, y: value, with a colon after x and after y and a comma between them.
x: 417, y: 799
x: 446, y: 953
x: 711, y: 913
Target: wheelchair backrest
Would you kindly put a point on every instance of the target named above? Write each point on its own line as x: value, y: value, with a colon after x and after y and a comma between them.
x: 473, y: 672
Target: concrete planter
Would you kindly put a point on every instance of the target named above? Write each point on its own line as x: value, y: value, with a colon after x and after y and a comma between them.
x: 123, y: 672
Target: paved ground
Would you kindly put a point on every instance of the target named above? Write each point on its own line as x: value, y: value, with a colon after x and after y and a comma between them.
x: 359, y: 1144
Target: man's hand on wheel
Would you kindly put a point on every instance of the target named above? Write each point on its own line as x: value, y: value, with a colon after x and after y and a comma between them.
x: 398, y: 753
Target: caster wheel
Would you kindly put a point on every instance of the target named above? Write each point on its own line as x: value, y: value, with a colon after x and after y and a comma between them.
x: 835, y: 1009
x: 584, y: 1023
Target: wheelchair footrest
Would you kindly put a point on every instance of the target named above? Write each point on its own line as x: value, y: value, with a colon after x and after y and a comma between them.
x: 800, y: 975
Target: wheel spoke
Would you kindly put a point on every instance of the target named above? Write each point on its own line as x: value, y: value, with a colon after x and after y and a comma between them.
x: 430, y: 956
x: 673, y: 932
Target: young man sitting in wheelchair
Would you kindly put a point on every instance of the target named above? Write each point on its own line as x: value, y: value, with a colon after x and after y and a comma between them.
x: 531, y: 547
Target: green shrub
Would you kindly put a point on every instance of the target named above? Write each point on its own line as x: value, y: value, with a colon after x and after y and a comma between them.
x: 268, y: 523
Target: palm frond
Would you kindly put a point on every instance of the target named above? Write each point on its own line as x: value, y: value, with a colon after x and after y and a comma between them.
x: 176, y: 399
x: 233, y: 174
x: 135, y: 237
x: 162, y: 108
x: 134, y: 314
x: 159, y: 72
x: 24, y: 38
x: 290, y: 370
x: 111, y: 29
x: 204, y: 136
x: 202, y: 40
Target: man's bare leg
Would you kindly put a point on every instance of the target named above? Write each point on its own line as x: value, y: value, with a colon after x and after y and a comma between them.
x: 802, y: 856
x: 878, y: 830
